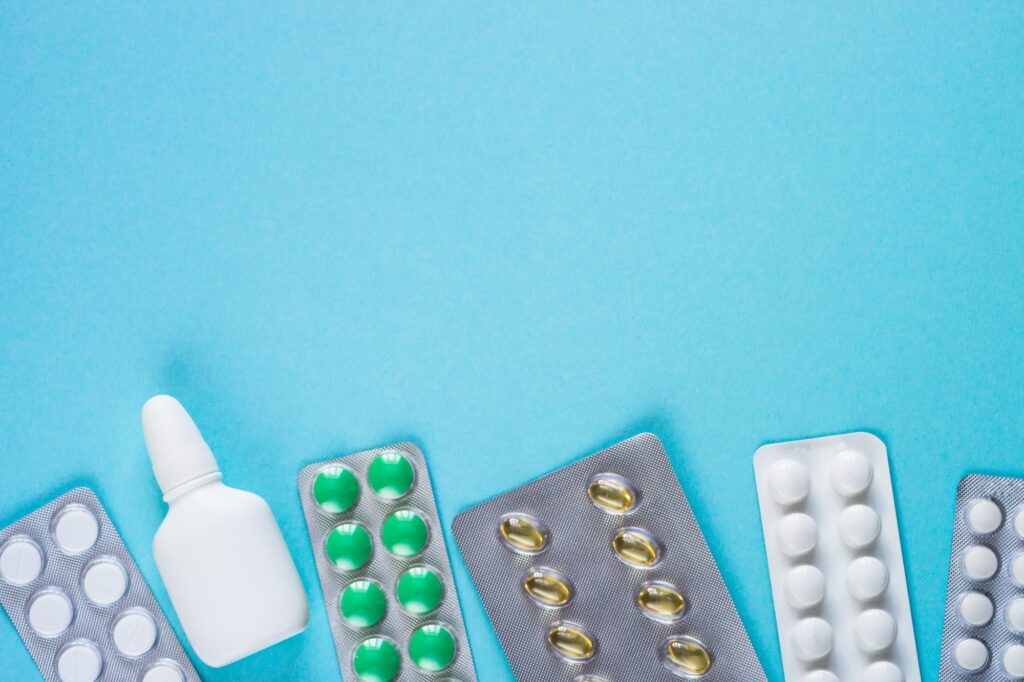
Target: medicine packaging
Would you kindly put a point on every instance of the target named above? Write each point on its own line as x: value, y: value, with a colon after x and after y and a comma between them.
x: 836, y: 564
x: 380, y: 554
x: 79, y: 602
x: 599, y: 572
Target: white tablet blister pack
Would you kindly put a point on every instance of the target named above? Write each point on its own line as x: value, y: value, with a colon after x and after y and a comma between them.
x: 983, y: 636
x: 599, y: 572
x: 79, y: 602
x: 836, y: 564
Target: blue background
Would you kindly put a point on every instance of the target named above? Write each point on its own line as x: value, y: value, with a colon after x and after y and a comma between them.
x: 514, y: 233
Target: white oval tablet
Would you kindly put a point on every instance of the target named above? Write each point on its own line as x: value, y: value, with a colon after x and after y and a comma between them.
x: 971, y: 655
x: 79, y: 662
x: 1013, y: 661
x: 976, y: 609
x: 21, y: 561
x: 821, y: 676
x: 983, y: 516
x: 874, y: 630
x: 859, y: 526
x: 164, y: 671
x: 1015, y: 615
x: 805, y: 586
x: 1018, y: 524
x: 882, y: 671
x: 797, y: 534
x: 788, y: 482
x: 134, y: 632
x: 50, y: 612
x: 980, y: 562
x: 105, y: 581
x: 75, y: 529
x: 866, y: 578
x: 812, y: 639
x: 851, y: 473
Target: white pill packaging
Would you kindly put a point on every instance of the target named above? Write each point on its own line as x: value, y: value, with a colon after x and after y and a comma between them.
x: 836, y: 564
x: 79, y: 602
x: 983, y: 635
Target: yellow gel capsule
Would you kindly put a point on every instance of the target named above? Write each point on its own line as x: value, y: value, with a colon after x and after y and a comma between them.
x: 571, y: 642
x: 611, y: 493
x: 523, y: 533
x: 636, y: 547
x: 661, y: 601
x: 547, y: 588
x: 687, y: 655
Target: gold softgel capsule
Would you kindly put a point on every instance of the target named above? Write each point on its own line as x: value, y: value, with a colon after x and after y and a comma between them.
x: 687, y: 655
x: 571, y: 642
x: 661, y: 601
x: 547, y: 588
x: 612, y: 493
x: 523, y: 534
x: 636, y: 547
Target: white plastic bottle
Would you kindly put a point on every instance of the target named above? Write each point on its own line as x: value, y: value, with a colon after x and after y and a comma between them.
x: 219, y: 551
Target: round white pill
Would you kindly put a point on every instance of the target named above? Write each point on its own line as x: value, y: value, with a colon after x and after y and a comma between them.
x: 805, y: 586
x: 971, y: 655
x: 105, y: 581
x: 874, y: 630
x: 50, y: 613
x: 1015, y: 615
x: 812, y: 639
x: 79, y: 662
x: 75, y: 529
x: 859, y: 526
x: 882, y: 671
x: 850, y: 473
x: 1017, y: 570
x: 163, y: 671
x: 984, y: 516
x: 980, y: 562
x: 821, y: 676
x: 788, y: 482
x: 1013, y: 661
x: 866, y: 578
x: 1018, y: 524
x: 134, y: 632
x: 797, y: 534
x: 976, y: 609
x: 21, y: 561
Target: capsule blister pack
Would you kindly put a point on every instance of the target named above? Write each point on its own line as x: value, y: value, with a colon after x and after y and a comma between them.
x: 836, y: 564
x: 983, y: 637
x: 598, y: 572
x: 383, y: 566
x: 79, y: 602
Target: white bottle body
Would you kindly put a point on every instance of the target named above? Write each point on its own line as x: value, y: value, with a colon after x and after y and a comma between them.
x: 228, y: 571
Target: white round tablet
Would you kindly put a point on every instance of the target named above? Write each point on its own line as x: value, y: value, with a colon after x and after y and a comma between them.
x: 850, y: 473
x: 805, y: 586
x: 1013, y: 661
x: 1017, y: 570
x: 21, y: 561
x: 984, y: 516
x: 50, y: 612
x: 976, y: 609
x: 866, y: 578
x: 859, y: 526
x: 105, y: 581
x: 75, y: 529
x: 971, y: 655
x: 164, y: 671
x: 812, y: 639
x: 797, y: 534
x: 1018, y: 524
x: 134, y: 632
x: 80, y: 661
x: 874, y: 630
x: 820, y: 676
x: 882, y: 671
x: 1015, y: 615
x: 980, y: 562
x: 788, y: 482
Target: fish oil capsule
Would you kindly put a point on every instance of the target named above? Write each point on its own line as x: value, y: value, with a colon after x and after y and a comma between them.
x: 687, y: 656
x: 636, y: 547
x: 571, y: 642
x: 524, y: 534
x: 614, y: 494
x: 661, y: 601
x: 547, y: 587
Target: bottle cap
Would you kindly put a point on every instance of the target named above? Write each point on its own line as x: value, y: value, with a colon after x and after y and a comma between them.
x: 176, y: 448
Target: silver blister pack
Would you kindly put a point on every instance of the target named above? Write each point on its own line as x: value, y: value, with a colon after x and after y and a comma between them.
x: 983, y: 633
x: 599, y: 572
x: 380, y: 554
x: 79, y: 602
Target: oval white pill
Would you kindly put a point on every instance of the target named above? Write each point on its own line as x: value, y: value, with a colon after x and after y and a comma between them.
x: 788, y: 482
x: 79, y: 662
x: 21, y: 561
x: 797, y: 534
x: 984, y: 516
x: 859, y: 526
x: 805, y: 586
x: 976, y: 609
x: 874, y: 630
x: 821, y: 676
x: 812, y: 639
x: 866, y: 578
x: 1013, y: 661
x: 1015, y: 615
x: 134, y: 633
x: 75, y: 529
x: 1018, y: 524
x: 882, y: 671
x: 971, y: 655
x: 980, y: 562
x: 851, y: 473
x: 164, y: 671
x: 50, y: 613
x: 105, y: 581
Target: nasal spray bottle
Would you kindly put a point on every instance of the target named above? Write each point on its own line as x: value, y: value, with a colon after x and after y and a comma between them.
x: 219, y: 551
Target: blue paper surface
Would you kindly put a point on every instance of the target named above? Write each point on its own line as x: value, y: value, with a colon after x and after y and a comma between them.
x: 514, y: 233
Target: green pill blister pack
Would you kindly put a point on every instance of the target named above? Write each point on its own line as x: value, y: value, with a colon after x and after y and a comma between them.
x: 383, y: 567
